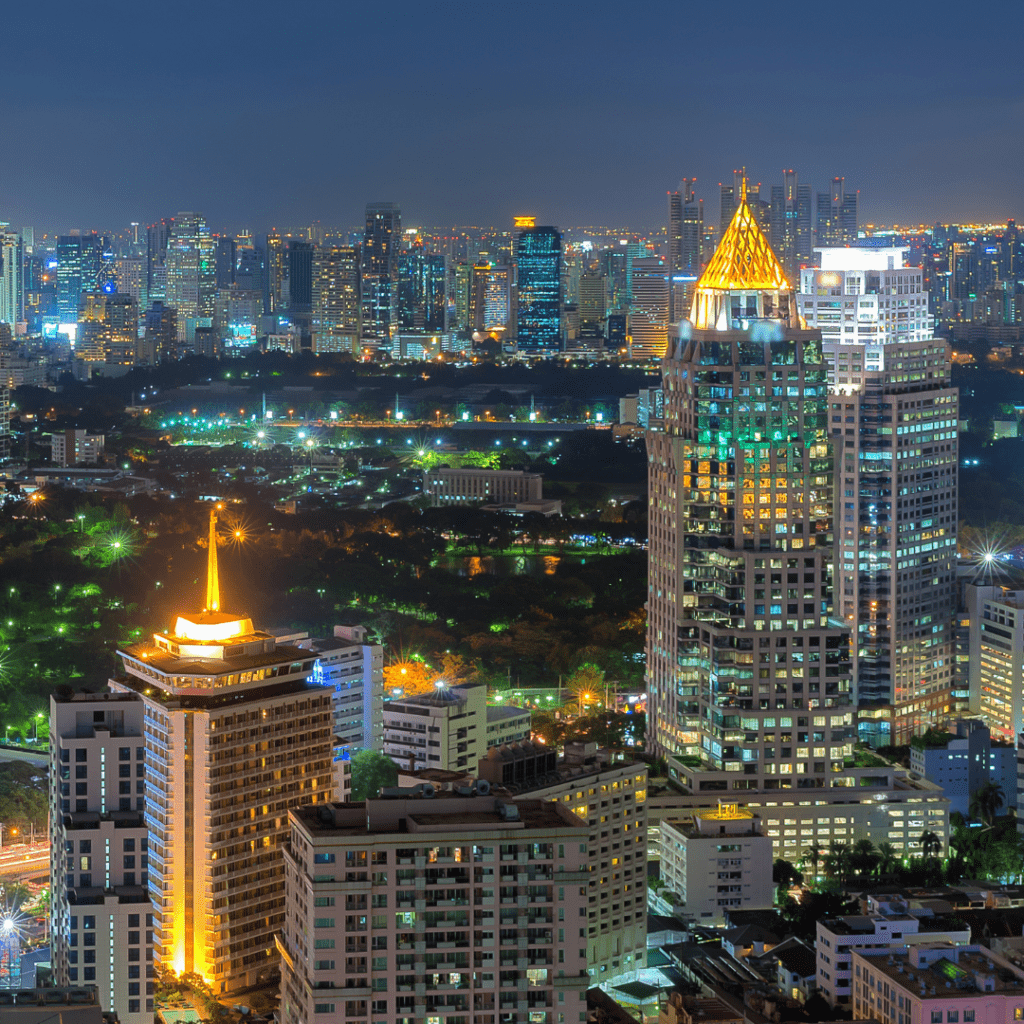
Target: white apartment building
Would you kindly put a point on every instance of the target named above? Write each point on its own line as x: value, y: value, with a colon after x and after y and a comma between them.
x: 716, y: 861
x: 451, y: 728
x: 416, y: 908
x: 71, y: 447
x: 101, y: 914
x: 997, y: 657
x: 889, y: 923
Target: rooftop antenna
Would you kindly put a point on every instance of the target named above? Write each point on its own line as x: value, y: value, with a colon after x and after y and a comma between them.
x: 212, y: 576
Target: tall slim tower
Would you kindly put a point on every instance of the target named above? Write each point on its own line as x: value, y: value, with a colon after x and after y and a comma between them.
x: 539, y: 278
x: 235, y: 734
x: 191, y: 267
x: 380, y: 273
x: 747, y: 669
x: 894, y: 431
x: 685, y: 243
x: 336, y: 299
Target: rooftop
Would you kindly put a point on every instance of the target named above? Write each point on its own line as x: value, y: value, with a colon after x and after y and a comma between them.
x: 948, y: 970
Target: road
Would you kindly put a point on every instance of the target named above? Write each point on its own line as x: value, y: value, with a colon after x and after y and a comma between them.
x: 24, y: 860
x: 41, y: 757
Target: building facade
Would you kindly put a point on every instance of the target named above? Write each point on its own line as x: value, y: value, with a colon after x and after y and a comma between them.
x: 445, y: 486
x: 717, y: 861
x: 336, y: 301
x: 379, y: 279
x: 539, y: 296
x: 451, y: 908
x: 997, y: 657
x: 235, y: 734
x: 102, y: 923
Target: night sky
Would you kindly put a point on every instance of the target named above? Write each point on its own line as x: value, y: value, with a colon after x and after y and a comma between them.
x: 281, y: 113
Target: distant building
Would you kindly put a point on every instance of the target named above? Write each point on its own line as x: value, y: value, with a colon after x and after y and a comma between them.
x: 102, y: 917
x: 379, y: 293
x: 47, y: 1005
x: 967, y: 763
x: 889, y: 922
x: 649, y: 308
x: 336, y: 312
x: 997, y: 657
x: 539, y: 307
x: 452, y: 908
x: 72, y: 447
x: 717, y: 861
x: 445, y: 486
x: 451, y: 728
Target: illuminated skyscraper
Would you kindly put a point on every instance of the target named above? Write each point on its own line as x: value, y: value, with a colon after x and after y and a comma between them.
x: 685, y: 242
x: 235, y: 735
x: 380, y: 274
x: 157, y: 236
x: 893, y: 422
x: 336, y: 310
x: 191, y: 273
x: 539, y: 280
x: 649, y: 309
x: 12, y: 292
x: 422, y: 290
x: 837, y: 215
x: 79, y: 266
x: 742, y: 651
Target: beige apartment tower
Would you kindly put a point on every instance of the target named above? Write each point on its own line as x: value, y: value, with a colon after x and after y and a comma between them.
x: 235, y: 735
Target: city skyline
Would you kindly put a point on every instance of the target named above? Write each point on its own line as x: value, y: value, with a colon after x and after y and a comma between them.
x: 203, y: 132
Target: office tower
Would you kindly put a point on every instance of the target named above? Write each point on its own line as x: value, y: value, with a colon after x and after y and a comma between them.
x: 491, y: 298
x: 191, y: 273
x: 740, y: 642
x: 336, y: 306
x: 486, y: 904
x: 729, y: 199
x: 686, y: 235
x: 276, y: 274
x: 450, y: 728
x: 380, y: 274
x: 804, y: 225
x: 539, y: 282
x: 237, y: 315
x: 250, y: 268
x: 422, y: 291
x: 996, y: 665
x: 5, y: 399
x: 224, y: 257
x: 593, y: 305
x: 893, y: 417
x: 789, y: 240
x: 12, y: 294
x: 102, y: 917
x: 837, y: 216
x: 130, y: 272
x: 649, y: 310
x: 121, y: 316
x: 462, y: 276
x: 157, y: 237
x: 236, y: 734
x: 300, y: 277
x: 79, y: 266
x: 160, y: 335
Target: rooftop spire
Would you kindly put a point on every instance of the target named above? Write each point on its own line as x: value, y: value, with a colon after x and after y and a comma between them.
x: 212, y: 576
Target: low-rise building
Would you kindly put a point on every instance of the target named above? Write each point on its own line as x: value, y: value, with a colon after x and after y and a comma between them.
x: 72, y: 447
x: 412, y: 908
x: 967, y: 763
x: 447, y: 486
x: 717, y: 860
x: 941, y: 984
x: 890, y: 923
x: 451, y: 728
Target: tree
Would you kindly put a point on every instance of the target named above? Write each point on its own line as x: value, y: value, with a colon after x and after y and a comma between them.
x: 813, y: 856
x: 863, y: 857
x: 370, y: 772
x: 986, y: 801
x: 888, y: 859
x: 784, y: 874
x: 931, y: 844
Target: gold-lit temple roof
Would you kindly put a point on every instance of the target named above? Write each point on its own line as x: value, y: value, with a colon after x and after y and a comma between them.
x: 743, y: 260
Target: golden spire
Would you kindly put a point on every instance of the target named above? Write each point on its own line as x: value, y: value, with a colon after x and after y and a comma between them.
x: 212, y: 576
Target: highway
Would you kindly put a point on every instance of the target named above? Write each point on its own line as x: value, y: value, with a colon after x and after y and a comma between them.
x: 25, y: 861
x: 41, y: 757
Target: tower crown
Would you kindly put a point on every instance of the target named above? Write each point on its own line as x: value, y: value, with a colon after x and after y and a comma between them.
x: 743, y: 279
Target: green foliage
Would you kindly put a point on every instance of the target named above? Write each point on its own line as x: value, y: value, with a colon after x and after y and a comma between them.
x: 370, y: 772
x: 931, y: 738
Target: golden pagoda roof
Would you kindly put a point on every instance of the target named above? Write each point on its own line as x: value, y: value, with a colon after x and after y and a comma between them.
x: 743, y: 260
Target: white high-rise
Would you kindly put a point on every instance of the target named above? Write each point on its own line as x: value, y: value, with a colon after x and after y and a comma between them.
x: 893, y: 424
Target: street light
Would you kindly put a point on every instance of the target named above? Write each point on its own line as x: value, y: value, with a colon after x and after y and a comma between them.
x: 35, y: 726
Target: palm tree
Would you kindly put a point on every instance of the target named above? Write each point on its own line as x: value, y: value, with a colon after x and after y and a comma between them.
x: 931, y: 844
x: 813, y: 856
x: 837, y: 861
x: 863, y: 857
x: 888, y: 858
x: 986, y: 802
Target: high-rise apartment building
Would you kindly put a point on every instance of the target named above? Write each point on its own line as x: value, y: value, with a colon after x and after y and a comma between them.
x: 747, y: 668
x: 649, y: 308
x: 102, y: 917
x: 997, y: 658
x: 381, y: 240
x: 539, y: 300
x: 157, y: 236
x: 491, y: 298
x: 336, y: 311
x: 419, y: 907
x: 235, y: 735
x: 12, y: 277
x: 685, y: 241
x: 790, y: 219
x: 893, y: 422
x: 191, y: 270
x: 593, y: 307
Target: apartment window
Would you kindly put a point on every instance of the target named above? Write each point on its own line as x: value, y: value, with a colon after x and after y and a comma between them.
x: 936, y: 1017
